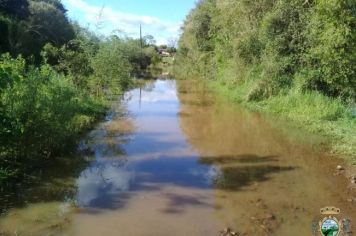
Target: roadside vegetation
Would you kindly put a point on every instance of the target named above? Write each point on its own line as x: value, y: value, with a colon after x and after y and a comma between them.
x: 293, y: 58
x: 56, y: 80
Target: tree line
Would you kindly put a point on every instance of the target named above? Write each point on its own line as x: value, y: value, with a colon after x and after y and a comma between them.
x: 293, y: 58
x: 56, y: 80
x: 273, y: 45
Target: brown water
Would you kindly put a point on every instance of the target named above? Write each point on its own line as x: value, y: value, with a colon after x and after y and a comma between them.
x: 173, y: 159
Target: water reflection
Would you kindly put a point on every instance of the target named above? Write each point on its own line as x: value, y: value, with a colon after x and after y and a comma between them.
x: 41, y: 204
x: 187, y: 164
x: 262, y: 172
x: 234, y: 176
x: 54, y: 183
x: 97, y: 183
x: 120, y: 150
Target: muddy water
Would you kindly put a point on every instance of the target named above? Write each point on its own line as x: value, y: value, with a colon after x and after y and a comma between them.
x: 173, y: 159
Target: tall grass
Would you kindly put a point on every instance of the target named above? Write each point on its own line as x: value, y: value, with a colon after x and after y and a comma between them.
x: 310, y: 110
x: 291, y: 59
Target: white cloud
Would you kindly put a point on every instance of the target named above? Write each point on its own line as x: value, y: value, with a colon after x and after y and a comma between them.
x: 94, y: 183
x: 106, y: 20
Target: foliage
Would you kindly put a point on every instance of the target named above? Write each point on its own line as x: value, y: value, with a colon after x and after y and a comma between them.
x: 16, y: 8
x: 56, y: 80
x: 111, y: 65
x: 27, y: 26
x: 71, y: 59
x: 311, y: 110
x: 271, y: 43
x: 46, y: 24
x: 42, y: 112
x: 296, y: 58
x: 332, y: 55
x: 56, y: 3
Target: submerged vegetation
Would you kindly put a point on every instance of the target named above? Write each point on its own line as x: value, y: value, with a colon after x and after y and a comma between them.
x: 56, y: 80
x: 294, y: 58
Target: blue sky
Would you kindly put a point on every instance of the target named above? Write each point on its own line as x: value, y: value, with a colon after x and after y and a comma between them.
x: 159, y: 18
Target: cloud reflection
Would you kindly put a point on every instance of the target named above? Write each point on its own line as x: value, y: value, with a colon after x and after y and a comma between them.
x: 103, y: 180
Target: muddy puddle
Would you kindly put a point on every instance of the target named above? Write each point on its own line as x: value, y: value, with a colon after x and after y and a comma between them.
x: 173, y: 159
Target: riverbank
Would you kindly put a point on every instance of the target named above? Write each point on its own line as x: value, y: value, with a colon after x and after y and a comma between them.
x: 177, y: 152
x: 292, y: 60
x: 311, y: 111
x: 45, y: 107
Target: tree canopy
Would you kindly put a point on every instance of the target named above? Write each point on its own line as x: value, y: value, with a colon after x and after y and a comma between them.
x: 276, y: 45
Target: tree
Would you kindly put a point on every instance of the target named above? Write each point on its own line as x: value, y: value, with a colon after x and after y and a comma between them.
x: 149, y: 40
x: 56, y: 3
x: 111, y: 66
x: 17, y: 8
x: 172, y: 42
x: 332, y: 54
x: 12, y: 12
x: 46, y: 24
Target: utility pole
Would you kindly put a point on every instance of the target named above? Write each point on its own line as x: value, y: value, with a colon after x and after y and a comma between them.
x: 140, y: 96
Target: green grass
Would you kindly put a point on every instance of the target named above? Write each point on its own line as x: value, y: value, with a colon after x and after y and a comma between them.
x: 312, y: 111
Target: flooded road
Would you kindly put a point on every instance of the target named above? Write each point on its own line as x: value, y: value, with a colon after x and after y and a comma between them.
x: 173, y: 159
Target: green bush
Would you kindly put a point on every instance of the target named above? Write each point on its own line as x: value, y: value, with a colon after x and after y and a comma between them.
x: 332, y: 56
x: 283, y: 39
x: 42, y: 112
x: 290, y: 57
x: 56, y: 79
x: 112, y: 68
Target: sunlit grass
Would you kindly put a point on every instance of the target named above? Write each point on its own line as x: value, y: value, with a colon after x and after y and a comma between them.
x: 312, y: 111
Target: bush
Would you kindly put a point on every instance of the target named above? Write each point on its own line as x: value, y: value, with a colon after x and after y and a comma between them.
x: 332, y: 56
x: 42, y: 112
x: 62, y: 86
x: 112, y: 68
x: 292, y: 57
x: 283, y: 39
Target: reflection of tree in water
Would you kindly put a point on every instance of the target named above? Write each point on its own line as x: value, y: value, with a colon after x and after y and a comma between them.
x: 215, y: 126
x: 247, y: 153
x: 107, y: 172
x: 102, y: 179
x: 221, y: 129
x: 107, y: 139
x: 149, y: 85
x: 118, y: 109
x: 235, y: 176
x: 99, y: 168
x: 56, y: 182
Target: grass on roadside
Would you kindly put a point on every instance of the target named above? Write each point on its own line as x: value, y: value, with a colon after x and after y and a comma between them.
x: 311, y: 110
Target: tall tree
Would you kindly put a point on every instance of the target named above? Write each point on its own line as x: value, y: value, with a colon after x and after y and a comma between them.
x: 46, y: 24
x: 17, y: 8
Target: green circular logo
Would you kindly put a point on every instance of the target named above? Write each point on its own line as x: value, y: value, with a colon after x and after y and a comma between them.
x: 330, y: 227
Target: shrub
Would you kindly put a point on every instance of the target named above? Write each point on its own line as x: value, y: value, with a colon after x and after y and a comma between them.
x: 40, y: 110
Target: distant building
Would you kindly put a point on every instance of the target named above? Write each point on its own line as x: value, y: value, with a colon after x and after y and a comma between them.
x: 167, y: 54
x: 163, y: 52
